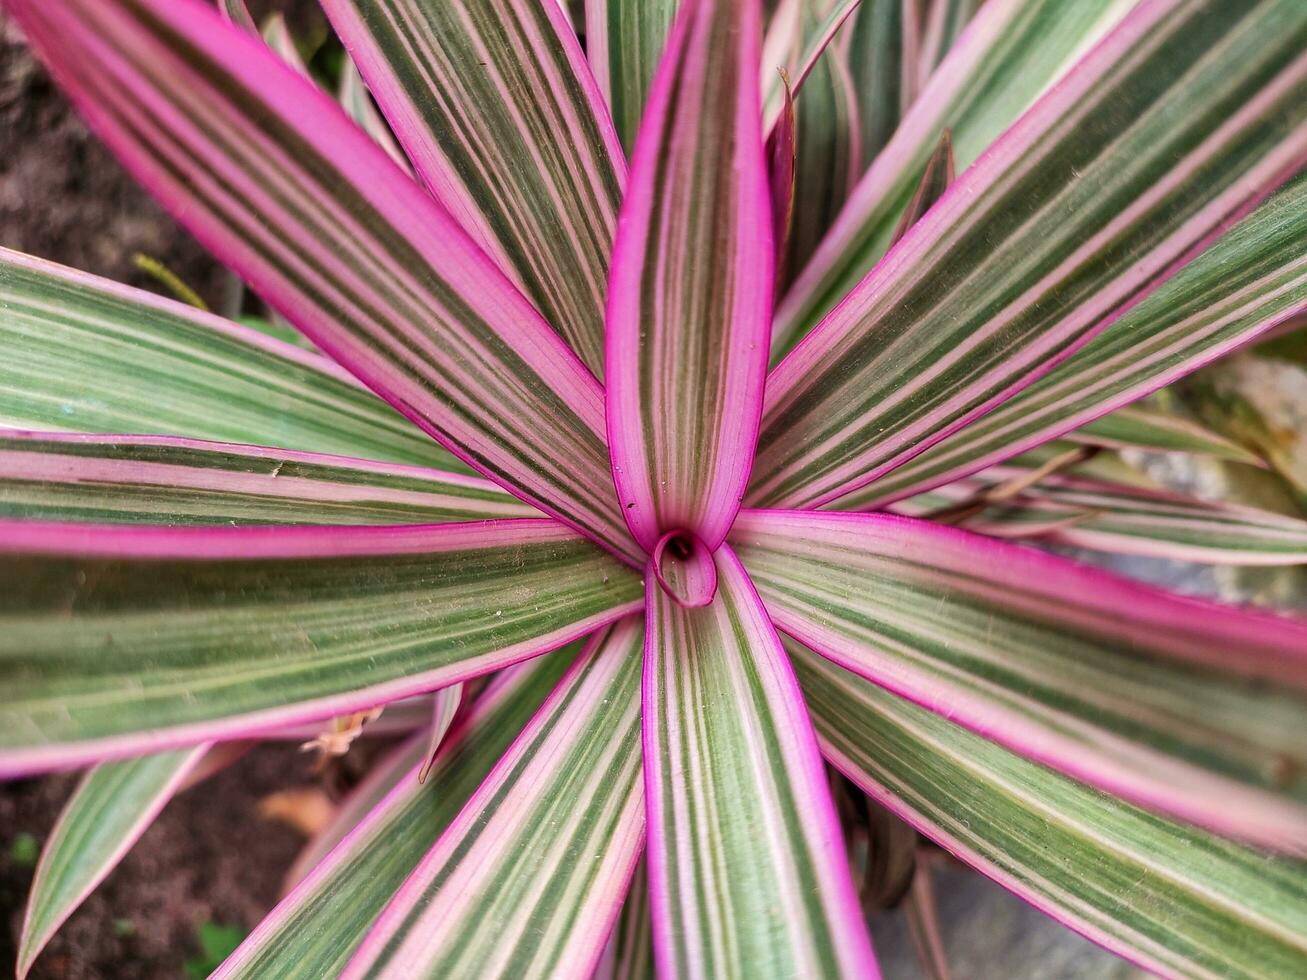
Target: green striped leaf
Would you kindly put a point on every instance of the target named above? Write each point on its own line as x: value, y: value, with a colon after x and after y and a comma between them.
x: 88, y: 355
x: 875, y: 57
x: 170, y: 481
x: 629, y: 954
x: 528, y: 880
x: 828, y: 147
x: 118, y: 640
x: 1253, y: 278
x: 1172, y: 899
x: 269, y: 173
x: 1182, y: 120
x: 746, y: 859
x: 113, y: 805
x: 944, y: 23
x: 1137, y: 427
x: 798, y: 36
x: 624, y: 39
x: 1014, y: 50
x: 1182, y: 706
x: 1120, y: 518
x: 691, y: 290
x: 314, y: 930
x: 520, y: 151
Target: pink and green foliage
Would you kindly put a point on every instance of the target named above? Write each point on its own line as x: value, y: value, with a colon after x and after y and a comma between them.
x: 537, y: 440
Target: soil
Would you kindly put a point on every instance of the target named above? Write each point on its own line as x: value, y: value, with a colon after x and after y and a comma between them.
x: 208, y: 858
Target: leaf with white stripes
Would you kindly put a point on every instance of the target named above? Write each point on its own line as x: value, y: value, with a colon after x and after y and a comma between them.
x: 112, y: 806
x: 314, y: 930
x: 746, y: 858
x: 1014, y: 50
x: 690, y: 296
x: 1252, y: 279
x: 1183, y: 119
x: 1182, y: 706
x: 945, y: 21
x: 1170, y: 898
x: 119, y: 640
x: 1138, y: 427
x: 828, y: 150
x: 1099, y: 515
x: 84, y: 354
x: 164, y: 480
x: 268, y: 172
x: 624, y: 40
x: 496, y: 107
x: 528, y: 880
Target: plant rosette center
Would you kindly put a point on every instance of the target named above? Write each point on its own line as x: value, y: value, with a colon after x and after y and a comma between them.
x: 685, y: 568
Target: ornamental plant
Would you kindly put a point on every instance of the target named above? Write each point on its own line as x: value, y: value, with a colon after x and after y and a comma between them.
x: 550, y: 451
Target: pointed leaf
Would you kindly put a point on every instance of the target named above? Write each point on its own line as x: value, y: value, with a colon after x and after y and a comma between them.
x: 313, y: 930
x: 746, y: 859
x: 113, y: 805
x: 270, y: 174
x: 529, y: 878
x: 829, y: 150
x: 1185, y: 117
x: 1183, y: 706
x: 520, y: 151
x: 1114, y: 517
x: 1170, y: 898
x: 444, y: 706
x: 89, y: 355
x: 166, y: 480
x: 691, y: 287
x: 782, y: 158
x: 816, y: 35
x: 935, y: 180
x: 1252, y: 279
x: 624, y: 39
x: 1013, y: 51
x: 356, y: 100
x: 118, y: 640
x: 1137, y: 427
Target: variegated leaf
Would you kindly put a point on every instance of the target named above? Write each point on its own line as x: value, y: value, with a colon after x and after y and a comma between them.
x: 498, y: 110
x: 1013, y: 51
x: 88, y: 355
x: 315, y: 929
x: 1252, y: 279
x: 1178, y: 902
x: 164, y: 480
x: 691, y: 290
x: 1181, y: 121
x: 528, y: 880
x: 624, y: 39
x: 123, y: 640
x: 113, y: 805
x: 270, y: 174
x: 1179, y: 705
x: 746, y: 861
